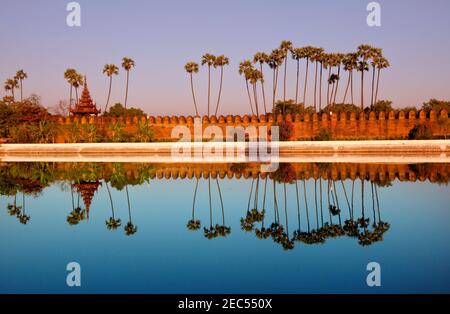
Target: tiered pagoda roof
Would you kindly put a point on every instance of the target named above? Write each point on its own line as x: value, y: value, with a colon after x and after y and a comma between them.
x: 85, y: 106
x: 87, y: 190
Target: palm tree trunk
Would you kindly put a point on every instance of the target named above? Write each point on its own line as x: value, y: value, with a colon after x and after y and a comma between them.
x: 351, y: 86
x: 255, y: 96
x: 320, y: 88
x: 286, y: 210
x: 126, y: 91
x: 362, y: 89
x: 378, y: 82
x: 249, y: 97
x: 337, y: 84
x: 21, y: 91
x: 298, y: 205
x: 315, y: 201
x: 193, y: 95
x: 210, y: 205
x: 315, y: 88
x: 128, y: 203
x: 262, y: 89
x: 346, y: 89
x: 109, y: 92
x: 328, y: 86
x: 220, y: 90
x: 76, y: 94
x: 320, y: 196
x: 221, y: 202
x: 306, y: 204
x: 209, y: 86
x: 306, y: 82
x: 373, y: 87
x: 298, y: 78
x: 110, y: 200
x: 193, y: 201
x: 285, y: 77
x: 70, y: 98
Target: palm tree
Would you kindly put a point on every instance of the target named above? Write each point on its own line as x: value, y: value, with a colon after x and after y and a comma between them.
x: 339, y: 58
x: 110, y: 70
x: 297, y: 54
x: 70, y: 75
x: 112, y: 223
x: 275, y: 60
x: 220, y: 61
x: 254, y: 77
x: 376, y: 54
x: 130, y: 228
x: 23, y: 217
x: 209, y: 60
x: 127, y: 64
x: 323, y: 65
x: 194, y: 224
x: 20, y: 76
x: 10, y: 85
x: 308, y: 53
x: 192, y: 67
x: 262, y: 58
x: 332, y: 62
x: 382, y: 63
x: 316, y: 57
x: 350, y: 63
x: 364, y: 53
x: 285, y: 47
x: 244, y: 67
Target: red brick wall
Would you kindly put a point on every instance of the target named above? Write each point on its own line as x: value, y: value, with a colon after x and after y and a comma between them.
x: 306, y: 127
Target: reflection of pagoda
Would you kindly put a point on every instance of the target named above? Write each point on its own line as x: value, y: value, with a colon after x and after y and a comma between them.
x: 87, y: 190
x: 85, y: 105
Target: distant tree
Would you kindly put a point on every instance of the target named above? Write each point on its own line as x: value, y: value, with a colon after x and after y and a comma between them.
x: 127, y: 64
x: 110, y: 70
x: 118, y: 110
x: 209, y: 60
x: 20, y: 76
x: 436, y: 105
x: 192, y: 67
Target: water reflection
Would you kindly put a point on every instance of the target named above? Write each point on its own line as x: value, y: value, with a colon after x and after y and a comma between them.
x: 273, y: 199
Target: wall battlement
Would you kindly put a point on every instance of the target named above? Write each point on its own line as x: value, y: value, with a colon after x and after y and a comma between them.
x: 304, y: 127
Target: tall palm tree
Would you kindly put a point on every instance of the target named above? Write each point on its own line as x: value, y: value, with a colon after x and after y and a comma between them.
x: 364, y: 54
x: 339, y: 58
x: 209, y: 60
x: 244, y: 67
x: 316, y: 57
x: 110, y: 70
x: 297, y: 54
x: 261, y: 58
x: 350, y: 63
x: 192, y: 67
x: 331, y: 63
x: 20, y: 76
x: 130, y: 228
x: 324, y: 64
x: 275, y: 60
x: 112, y: 223
x: 285, y: 47
x: 220, y: 62
x: 10, y: 85
x: 255, y: 76
x: 70, y: 75
x: 308, y: 53
x: 382, y: 63
x: 127, y: 64
x: 377, y: 53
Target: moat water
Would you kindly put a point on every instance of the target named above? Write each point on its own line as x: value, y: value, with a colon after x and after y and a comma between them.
x: 142, y: 228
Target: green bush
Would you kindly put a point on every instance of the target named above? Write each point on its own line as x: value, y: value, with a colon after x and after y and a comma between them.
x: 323, y: 135
x: 118, y: 110
x: 420, y: 132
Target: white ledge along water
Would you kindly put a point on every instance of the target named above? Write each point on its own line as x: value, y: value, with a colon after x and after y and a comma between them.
x: 383, y: 151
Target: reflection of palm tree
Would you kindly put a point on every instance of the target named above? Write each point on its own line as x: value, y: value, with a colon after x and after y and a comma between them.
x: 211, y: 232
x: 130, y: 228
x: 222, y: 230
x: 194, y: 224
x: 23, y: 217
x: 77, y: 214
x: 112, y: 223
x: 13, y: 209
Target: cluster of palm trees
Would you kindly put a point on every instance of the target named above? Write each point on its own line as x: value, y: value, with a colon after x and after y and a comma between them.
x: 75, y: 80
x: 16, y: 82
x: 211, y: 61
x: 365, y: 58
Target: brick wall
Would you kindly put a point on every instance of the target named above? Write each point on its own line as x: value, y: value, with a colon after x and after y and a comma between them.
x: 305, y: 127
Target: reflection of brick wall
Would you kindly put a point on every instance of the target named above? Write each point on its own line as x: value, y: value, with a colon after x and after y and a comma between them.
x: 342, y: 127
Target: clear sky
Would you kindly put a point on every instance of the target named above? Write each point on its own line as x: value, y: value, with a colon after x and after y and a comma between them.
x: 162, y: 35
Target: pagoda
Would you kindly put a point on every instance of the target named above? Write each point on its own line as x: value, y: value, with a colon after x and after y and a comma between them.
x: 85, y: 105
x: 87, y: 190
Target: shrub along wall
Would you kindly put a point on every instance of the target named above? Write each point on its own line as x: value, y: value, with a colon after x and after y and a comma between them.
x: 366, y: 126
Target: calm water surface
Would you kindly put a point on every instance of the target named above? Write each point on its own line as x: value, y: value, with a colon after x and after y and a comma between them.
x: 308, y: 228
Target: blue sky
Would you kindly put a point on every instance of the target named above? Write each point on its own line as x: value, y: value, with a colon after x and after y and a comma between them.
x: 162, y: 35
